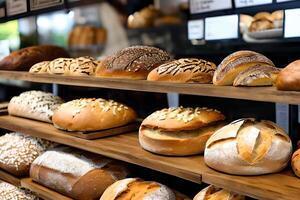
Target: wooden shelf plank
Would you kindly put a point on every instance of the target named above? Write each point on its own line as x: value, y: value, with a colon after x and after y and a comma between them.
x: 6, y: 177
x: 267, y: 94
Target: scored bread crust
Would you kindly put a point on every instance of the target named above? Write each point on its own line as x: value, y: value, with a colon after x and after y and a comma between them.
x: 179, y: 119
x: 296, y: 162
x: 185, y: 70
x: 214, y: 193
x: 132, y: 63
x: 40, y: 68
x: 235, y: 63
x: 289, y: 77
x: 92, y: 115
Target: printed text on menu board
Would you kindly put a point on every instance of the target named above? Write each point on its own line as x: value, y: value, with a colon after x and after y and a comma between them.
x: 39, y: 4
x: 246, y: 3
x: 15, y: 7
x: 201, y: 6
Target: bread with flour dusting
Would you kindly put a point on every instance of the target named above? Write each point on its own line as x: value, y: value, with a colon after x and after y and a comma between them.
x: 11, y: 192
x: 248, y: 147
x: 214, y: 193
x: 18, y: 151
x: 36, y: 105
x: 78, y: 174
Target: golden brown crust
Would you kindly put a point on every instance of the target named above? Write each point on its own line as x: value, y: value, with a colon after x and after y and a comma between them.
x: 263, y: 15
x: 214, y: 193
x: 261, y: 24
x: 132, y: 63
x: 92, y: 115
x: 296, y: 162
x: 289, y: 77
x: 186, y: 70
x: 277, y: 15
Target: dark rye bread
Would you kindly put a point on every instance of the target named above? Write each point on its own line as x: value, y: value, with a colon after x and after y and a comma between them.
x: 132, y: 63
x: 23, y: 59
x: 185, y: 70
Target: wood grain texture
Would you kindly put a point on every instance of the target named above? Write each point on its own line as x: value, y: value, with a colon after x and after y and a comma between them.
x: 267, y: 94
x: 283, y: 186
x: 7, y: 177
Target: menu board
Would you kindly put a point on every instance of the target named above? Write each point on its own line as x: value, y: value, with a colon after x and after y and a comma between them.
x: 279, y: 1
x: 291, y: 25
x: 40, y: 4
x: 201, y: 6
x: 246, y: 3
x: 196, y: 29
x: 222, y: 27
x: 14, y: 7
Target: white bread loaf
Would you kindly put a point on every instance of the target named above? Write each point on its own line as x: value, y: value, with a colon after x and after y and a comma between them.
x: 214, y: 193
x: 248, y: 147
x: 18, y: 151
x: 11, y: 192
x: 40, y: 68
x: 36, y: 105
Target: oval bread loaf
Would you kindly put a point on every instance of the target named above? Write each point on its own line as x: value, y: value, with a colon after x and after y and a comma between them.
x: 214, y: 193
x: 289, y: 77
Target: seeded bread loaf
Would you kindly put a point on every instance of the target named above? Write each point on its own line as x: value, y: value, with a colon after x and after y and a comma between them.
x: 296, y: 162
x: 289, y: 77
x: 36, y: 105
x: 23, y: 59
x: 11, y: 192
x: 78, y: 174
x: 18, y: 151
x: 186, y: 70
x: 248, y: 147
x: 92, y: 115
x: 214, y: 193
x: 132, y: 63
x: 179, y: 131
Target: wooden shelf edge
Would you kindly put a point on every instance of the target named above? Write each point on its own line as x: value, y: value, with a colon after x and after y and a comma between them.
x: 7, y: 177
x: 266, y: 94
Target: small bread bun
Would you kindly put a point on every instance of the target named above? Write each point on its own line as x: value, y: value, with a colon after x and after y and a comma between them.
x: 263, y: 15
x: 296, y: 162
x: 92, y: 115
x: 277, y: 15
x: 40, y: 68
x: 185, y: 70
x: 248, y: 147
x: 289, y: 77
x: 245, y: 22
x: 214, y: 193
x: 261, y: 24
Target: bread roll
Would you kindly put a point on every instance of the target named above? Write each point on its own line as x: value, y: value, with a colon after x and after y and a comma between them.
x: 235, y: 63
x: 261, y: 24
x: 179, y: 131
x: 214, y: 193
x: 296, y: 162
x: 59, y: 66
x: 248, y: 147
x: 92, y: 115
x: 82, y: 66
x: 132, y: 62
x: 23, y: 59
x: 143, y: 18
x: 137, y: 189
x: 75, y: 173
x: 18, y: 151
x: 11, y: 192
x: 36, y: 105
x: 263, y: 15
x: 245, y: 22
x: 40, y: 68
x: 259, y: 75
x: 277, y: 15
x: 289, y: 77
x: 186, y: 70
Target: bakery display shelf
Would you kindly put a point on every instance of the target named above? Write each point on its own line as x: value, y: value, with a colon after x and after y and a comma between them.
x: 267, y: 94
x: 6, y: 177
x: 284, y: 186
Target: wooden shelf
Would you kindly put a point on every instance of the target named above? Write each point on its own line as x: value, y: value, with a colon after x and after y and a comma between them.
x: 267, y: 94
x: 6, y: 177
x: 283, y: 186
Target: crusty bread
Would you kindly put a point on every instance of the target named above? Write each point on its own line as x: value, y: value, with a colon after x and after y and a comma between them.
x: 75, y: 173
x: 235, y: 63
x: 296, y: 162
x: 245, y: 22
x: 132, y: 63
x: 82, y: 66
x: 40, y: 68
x: 261, y: 24
x: 259, y: 75
x: 277, y: 15
x: 248, y: 147
x: 214, y: 193
x: 11, y: 192
x: 263, y: 15
x: 36, y: 105
x: 143, y: 18
x: 92, y: 115
x: 18, y: 151
x: 289, y: 77
x: 186, y: 70
x: 59, y: 66
x: 23, y: 59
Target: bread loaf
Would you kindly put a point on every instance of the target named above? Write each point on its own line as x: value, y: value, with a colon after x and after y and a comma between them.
x: 296, y: 162
x: 40, y: 68
x: 259, y: 75
x: 143, y: 18
x: 132, y: 62
x: 260, y: 25
x: 18, y: 151
x: 11, y: 192
x: 36, y: 105
x: 23, y: 59
x: 82, y: 66
x: 92, y: 115
x: 187, y: 70
x: 75, y: 173
x: 289, y: 77
x: 59, y: 66
x: 245, y: 22
x: 137, y: 189
x: 235, y: 63
x: 263, y: 15
x: 214, y: 193
x: 248, y: 147
x: 179, y: 131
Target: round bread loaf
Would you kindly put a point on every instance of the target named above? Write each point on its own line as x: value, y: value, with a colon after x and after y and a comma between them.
x: 248, y: 147
x: 296, y: 162
x: 11, y: 192
x: 179, y: 131
x: 40, y: 68
x: 289, y: 77
x: 82, y: 66
x: 92, y: 115
x: 132, y: 62
x: 186, y: 70
x: 18, y: 151
x: 214, y: 193
x: 235, y: 63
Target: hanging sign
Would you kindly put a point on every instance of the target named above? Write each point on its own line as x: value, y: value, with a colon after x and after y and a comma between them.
x: 15, y: 7
x: 201, y: 6
x: 246, y: 3
x: 40, y: 4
